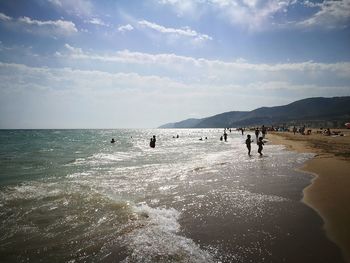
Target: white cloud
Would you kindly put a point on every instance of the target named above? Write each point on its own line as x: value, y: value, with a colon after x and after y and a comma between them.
x: 253, y: 14
x: 4, y: 17
x: 97, y: 21
x: 124, y: 28
x: 331, y: 14
x: 73, y: 50
x: 183, y: 7
x: 68, y: 98
x: 259, y: 14
x: 82, y: 8
x: 183, y: 32
x: 50, y: 27
x: 205, y: 66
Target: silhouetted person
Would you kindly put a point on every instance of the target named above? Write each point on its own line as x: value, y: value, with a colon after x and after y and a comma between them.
x: 294, y: 130
x: 221, y: 138
x: 248, y: 143
x: 177, y: 136
x: 112, y: 141
x: 225, y: 135
x: 260, y: 144
x: 242, y: 130
x: 152, y: 143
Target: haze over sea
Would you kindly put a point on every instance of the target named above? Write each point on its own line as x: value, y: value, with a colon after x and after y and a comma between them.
x: 72, y: 196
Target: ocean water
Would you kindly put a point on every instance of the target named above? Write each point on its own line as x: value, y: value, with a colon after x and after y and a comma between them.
x: 72, y: 196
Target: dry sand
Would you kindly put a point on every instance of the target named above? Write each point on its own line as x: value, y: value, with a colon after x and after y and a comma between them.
x: 329, y: 192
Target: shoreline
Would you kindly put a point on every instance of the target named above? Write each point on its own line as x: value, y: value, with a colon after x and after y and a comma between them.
x: 328, y: 192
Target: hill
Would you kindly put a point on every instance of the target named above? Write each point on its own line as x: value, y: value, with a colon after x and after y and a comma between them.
x: 317, y: 112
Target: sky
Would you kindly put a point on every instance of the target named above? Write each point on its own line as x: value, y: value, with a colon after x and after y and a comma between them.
x: 141, y: 64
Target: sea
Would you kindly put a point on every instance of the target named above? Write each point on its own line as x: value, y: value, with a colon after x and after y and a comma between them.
x: 73, y: 196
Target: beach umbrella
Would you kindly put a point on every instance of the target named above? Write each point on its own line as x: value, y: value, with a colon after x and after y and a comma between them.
x: 347, y: 125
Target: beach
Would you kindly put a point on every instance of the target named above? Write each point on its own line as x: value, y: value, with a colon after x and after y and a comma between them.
x: 329, y: 192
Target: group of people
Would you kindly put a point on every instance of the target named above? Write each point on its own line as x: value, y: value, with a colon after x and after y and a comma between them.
x: 260, y: 144
x: 248, y: 141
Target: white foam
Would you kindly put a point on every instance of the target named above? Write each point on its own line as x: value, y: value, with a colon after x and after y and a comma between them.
x: 158, y: 240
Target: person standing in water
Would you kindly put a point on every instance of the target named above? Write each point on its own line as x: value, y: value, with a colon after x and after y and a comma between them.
x: 152, y: 143
x: 260, y: 144
x: 225, y: 135
x: 248, y: 143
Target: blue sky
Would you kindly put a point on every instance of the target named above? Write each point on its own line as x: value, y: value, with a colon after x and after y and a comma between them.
x: 133, y: 63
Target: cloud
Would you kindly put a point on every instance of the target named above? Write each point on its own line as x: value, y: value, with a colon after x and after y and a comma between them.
x: 49, y: 28
x: 261, y: 14
x: 124, y: 28
x: 182, y: 32
x: 64, y: 97
x: 81, y: 8
x: 252, y: 14
x: 184, y: 7
x: 206, y: 67
x: 4, y: 17
x: 330, y: 14
x: 97, y: 21
x: 70, y: 98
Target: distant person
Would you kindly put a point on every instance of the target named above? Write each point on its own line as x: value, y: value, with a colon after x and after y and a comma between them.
x: 257, y: 134
x: 294, y: 130
x: 225, y: 135
x: 152, y: 143
x: 242, y: 130
x: 177, y: 136
x: 112, y: 141
x: 248, y: 143
x: 201, y: 139
x: 260, y: 144
x: 206, y: 138
x: 221, y: 138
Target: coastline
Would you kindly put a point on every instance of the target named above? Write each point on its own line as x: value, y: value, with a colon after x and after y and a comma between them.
x: 328, y: 192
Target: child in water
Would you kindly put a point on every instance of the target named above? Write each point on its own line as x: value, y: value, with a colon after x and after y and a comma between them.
x: 260, y: 144
x: 248, y: 142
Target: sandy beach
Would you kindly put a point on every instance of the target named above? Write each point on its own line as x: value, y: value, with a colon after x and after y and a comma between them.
x: 329, y: 192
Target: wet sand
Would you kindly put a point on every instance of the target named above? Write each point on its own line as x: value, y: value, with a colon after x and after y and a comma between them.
x: 329, y: 192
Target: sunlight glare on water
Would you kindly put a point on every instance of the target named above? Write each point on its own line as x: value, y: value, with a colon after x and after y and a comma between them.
x: 74, y: 196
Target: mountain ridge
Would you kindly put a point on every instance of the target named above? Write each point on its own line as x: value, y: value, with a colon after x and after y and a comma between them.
x: 317, y: 111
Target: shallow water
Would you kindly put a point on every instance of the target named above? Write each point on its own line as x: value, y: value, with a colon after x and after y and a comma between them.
x: 72, y: 196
